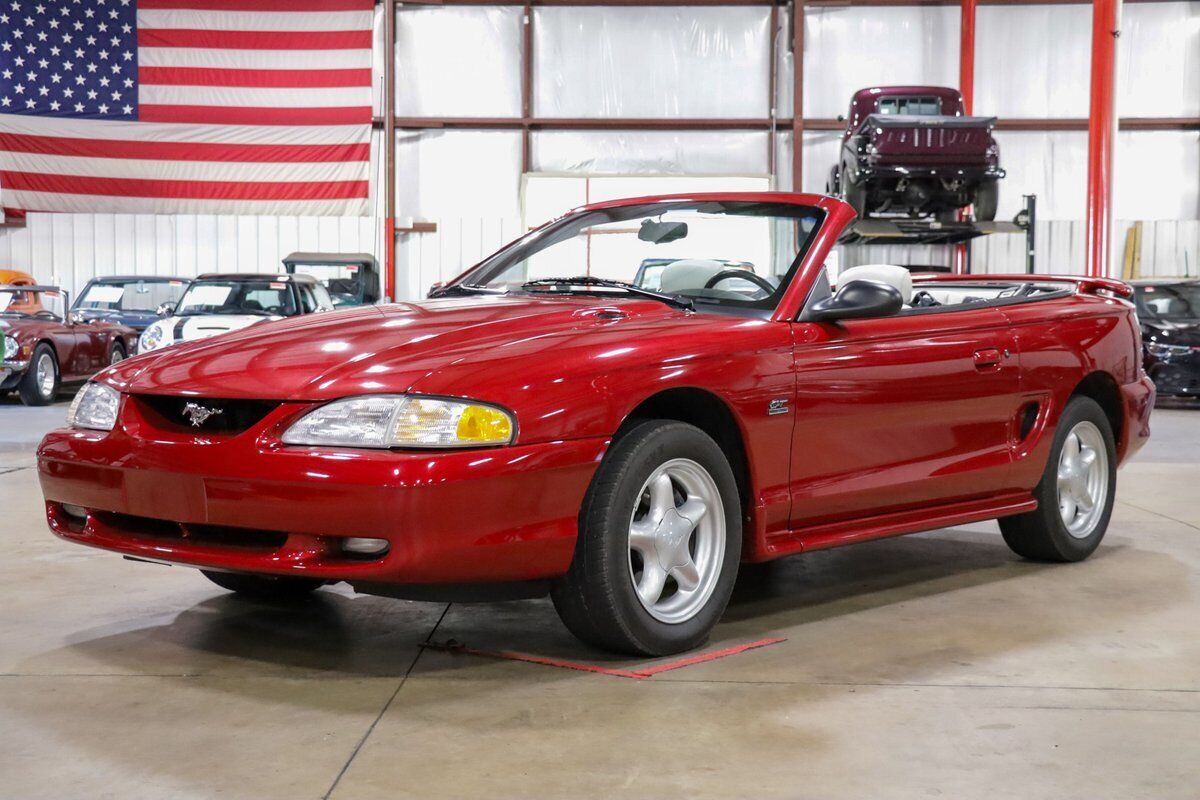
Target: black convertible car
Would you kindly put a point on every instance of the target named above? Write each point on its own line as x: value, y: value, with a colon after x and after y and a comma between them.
x: 1169, y: 310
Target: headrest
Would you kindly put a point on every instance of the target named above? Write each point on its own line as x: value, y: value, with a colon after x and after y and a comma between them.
x: 689, y: 274
x: 898, y: 277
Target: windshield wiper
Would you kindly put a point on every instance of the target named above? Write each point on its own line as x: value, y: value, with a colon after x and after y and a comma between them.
x: 631, y: 288
x: 463, y: 288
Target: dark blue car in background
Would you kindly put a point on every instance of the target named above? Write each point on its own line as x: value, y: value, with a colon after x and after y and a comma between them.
x: 132, y: 300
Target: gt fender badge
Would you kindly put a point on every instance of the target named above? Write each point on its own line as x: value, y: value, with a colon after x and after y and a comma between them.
x: 198, y: 414
x: 777, y: 406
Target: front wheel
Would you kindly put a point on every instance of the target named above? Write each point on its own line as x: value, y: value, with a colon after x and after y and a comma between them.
x: 660, y: 536
x: 987, y: 198
x: 39, y: 385
x: 1075, y: 494
x: 276, y: 588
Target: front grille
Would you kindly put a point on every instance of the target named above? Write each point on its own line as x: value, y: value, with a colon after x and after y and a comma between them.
x: 212, y: 535
x: 203, y: 415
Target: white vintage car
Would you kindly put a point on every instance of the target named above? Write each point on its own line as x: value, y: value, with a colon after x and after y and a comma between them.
x: 219, y: 303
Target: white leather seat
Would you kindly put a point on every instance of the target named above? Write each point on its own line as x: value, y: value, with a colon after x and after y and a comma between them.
x: 689, y: 274
x: 894, y: 276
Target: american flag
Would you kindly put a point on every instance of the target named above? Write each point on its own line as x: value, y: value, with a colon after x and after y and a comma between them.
x: 185, y: 106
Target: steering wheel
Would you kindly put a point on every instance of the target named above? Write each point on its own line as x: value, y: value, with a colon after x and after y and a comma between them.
x: 744, y: 274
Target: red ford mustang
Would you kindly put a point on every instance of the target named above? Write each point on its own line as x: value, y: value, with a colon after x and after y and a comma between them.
x: 545, y: 423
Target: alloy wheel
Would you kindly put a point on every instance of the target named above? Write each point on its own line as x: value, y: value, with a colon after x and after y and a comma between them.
x: 1082, y: 479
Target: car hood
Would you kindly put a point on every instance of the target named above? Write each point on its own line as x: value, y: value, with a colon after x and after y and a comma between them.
x: 371, y: 349
x: 1167, y: 332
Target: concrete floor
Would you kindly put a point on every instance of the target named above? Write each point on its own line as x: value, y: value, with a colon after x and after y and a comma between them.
x: 936, y: 665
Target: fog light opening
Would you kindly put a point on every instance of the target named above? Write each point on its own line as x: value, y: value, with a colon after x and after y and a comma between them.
x: 359, y: 546
x: 77, y: 513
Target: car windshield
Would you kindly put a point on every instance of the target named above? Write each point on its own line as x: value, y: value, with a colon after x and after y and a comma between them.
x: 343, y: 281
x: 716, y: 255
x: 132, y: 295
x: 1175, y: 302
x: 261, y: 297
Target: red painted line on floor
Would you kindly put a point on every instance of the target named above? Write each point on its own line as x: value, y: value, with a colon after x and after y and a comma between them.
x: 637, y: 674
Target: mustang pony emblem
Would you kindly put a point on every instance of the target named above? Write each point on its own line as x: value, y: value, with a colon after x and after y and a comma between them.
x: 198, y: 414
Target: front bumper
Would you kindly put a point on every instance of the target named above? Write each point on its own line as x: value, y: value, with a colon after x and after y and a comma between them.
x: 946, y: 171
x: 245, y: 502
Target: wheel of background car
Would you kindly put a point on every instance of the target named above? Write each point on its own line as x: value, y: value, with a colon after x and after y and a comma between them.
x: 743, y: 274
x: 659, y: 541
x: 117, y: 353
x: 39, y: 385
x: 277, y: 588
x: 987, y: 197
x: 1075, y: 494
x: 856, y: 195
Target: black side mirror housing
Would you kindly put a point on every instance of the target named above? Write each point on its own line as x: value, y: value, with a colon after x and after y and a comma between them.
x: 857, y: 300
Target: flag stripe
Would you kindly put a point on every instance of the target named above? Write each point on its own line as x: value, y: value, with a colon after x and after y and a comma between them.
x: 298, y: 78
x: 253, y: 59
x: 194, y: 171
x: 150, y: 132
x: 348, y: 115
x: 253, y: 20
x: 91, y: 204
x: 259, y: 5
x: 255, y: 40
x: 254, y: 97
x: 191, y: 190
x: 184, y: 151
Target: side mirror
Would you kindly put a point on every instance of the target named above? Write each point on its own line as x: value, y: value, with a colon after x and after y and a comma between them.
x: 436, y: 288
x: 857, y: 300
x: 165, y: 309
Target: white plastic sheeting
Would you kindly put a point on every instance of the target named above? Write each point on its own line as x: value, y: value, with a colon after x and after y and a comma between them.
x: 653, y: 152
x: 1031, y: 61
x: 458, y: 62
x: 460, y: 173
x: 1158, y: 63
x: 651, y: 62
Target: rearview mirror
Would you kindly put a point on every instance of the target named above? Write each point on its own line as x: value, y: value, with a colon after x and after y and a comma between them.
x: 857, y: 300
x: 165, y: 309
x: 662, y: 232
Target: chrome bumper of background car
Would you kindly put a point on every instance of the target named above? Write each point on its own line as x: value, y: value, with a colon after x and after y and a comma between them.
x: 12, y: 366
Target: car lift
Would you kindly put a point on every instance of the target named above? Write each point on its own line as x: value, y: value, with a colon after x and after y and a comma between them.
x: 901, y: 231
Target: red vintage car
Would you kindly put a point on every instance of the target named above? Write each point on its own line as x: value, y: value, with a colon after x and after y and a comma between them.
x: 42, y: 350
x: 545, y: 424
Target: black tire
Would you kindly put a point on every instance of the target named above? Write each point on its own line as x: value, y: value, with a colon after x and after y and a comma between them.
x: 31, y: 389
x: 264, y: 587
x: 1042, y: 535
x: 597, y: 599
x: 855, y: 194
x: 117, y: 353
x: 987, y: 198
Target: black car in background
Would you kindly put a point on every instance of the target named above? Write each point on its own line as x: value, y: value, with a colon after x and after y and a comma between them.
x: 132, y: 300
x: 1169, y: 310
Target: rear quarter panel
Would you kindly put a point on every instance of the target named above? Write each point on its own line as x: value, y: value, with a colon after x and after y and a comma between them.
x: 1060, y: 342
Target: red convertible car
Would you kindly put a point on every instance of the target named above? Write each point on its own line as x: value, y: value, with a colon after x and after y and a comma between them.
x: 543, y: 424
x: 40, y: 351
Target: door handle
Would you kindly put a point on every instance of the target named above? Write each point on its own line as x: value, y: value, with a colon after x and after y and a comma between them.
x: 987, y: 357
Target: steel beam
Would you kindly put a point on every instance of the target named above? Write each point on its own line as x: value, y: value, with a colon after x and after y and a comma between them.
x: 1101, y: 134
x: 389, y: 147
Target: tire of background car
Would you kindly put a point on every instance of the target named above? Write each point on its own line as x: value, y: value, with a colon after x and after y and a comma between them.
x: 1075, y: 494
x: 117, y: 353
x: 987, y: 197
x: 264, y: 587
x: 39, y: 385
x: 833, y: 183
x: 855, y: 194
x: 660, y: 537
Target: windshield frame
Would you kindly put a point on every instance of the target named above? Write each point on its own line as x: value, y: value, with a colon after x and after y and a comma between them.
x: 569, y: 225
x: 289, y: 287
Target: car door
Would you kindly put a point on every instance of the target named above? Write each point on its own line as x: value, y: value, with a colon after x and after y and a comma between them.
x: 901, y: 412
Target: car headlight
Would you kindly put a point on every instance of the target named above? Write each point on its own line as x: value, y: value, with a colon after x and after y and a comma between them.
x: 1160, y: 350
x: 11, y: 349
x: 151, y: 338
x: 402, y: 421
x: 94, y: 407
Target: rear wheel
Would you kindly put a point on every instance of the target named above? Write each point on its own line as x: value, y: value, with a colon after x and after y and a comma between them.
x: 264, y: 587
x: 117, y: 353
x: 1075, y: 495
x: 987, y: 197
x: 659, y: 542
x: 39, y: 385
x: 856, y: 195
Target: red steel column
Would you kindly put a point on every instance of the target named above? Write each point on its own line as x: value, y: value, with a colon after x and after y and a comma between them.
x: 389, y: 147
x: 966, y: 85
x: 1101, y: 133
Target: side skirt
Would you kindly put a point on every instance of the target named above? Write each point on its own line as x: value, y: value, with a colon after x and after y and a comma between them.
x: 836, y: 534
